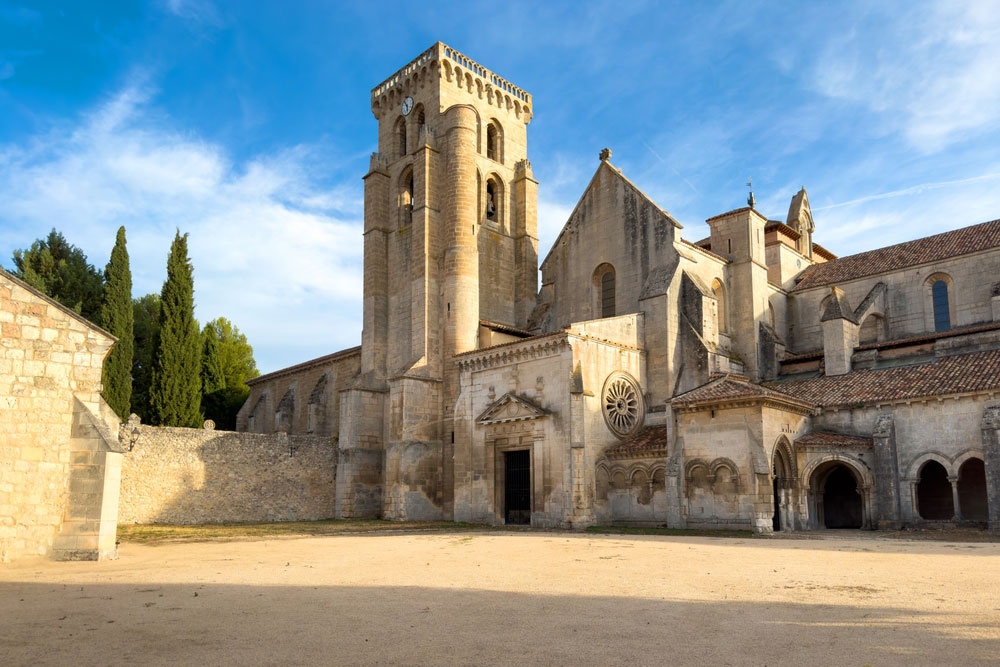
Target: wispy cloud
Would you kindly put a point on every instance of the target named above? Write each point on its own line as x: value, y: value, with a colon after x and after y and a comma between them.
x: 913, y: 190
x: 931, y: 74
x: 200, y: 12
x: 273, y: 250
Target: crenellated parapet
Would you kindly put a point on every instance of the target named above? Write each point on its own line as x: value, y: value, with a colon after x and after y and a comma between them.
x: 451, y: 67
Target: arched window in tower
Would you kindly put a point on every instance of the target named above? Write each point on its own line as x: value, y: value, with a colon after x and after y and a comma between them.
x: 419, y: 121
x: 494, y: 141
x: 494, y: 202
x: 406, y: 197
x: 942, y: 313
x: 491, y: 200
x: 401, y: 137
x: 604, y: 287
x: 719, y: 292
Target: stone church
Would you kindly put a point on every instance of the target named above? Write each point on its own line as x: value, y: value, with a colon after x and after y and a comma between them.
x: 749, y: 380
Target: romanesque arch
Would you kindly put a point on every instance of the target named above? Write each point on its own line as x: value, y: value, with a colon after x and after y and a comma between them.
x: 935, y: 501
x: 604, y: 291
x: 405, y: 189
x: 839, y: 493
x: 939, y: 302
x: 784, y: 480
x: 973, y: 501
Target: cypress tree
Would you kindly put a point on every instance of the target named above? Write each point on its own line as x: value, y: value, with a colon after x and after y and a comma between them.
x: 118, y: 319
x: 175, y: 394
x: 146, y: 310
x: 212, y: 377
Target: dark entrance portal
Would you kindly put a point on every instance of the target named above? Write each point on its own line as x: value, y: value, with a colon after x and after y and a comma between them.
x: 517, y: 487
x: 841, y: 501
x: 776, y: 519
x: 972, y: 499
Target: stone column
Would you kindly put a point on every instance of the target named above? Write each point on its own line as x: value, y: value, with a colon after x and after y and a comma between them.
x: 991, y: 459
x: 954, y: 498
x: 887, y: 514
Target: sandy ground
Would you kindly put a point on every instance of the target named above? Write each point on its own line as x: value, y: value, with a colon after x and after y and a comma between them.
x: 511, y: 599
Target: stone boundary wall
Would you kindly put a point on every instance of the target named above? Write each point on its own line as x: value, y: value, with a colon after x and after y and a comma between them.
x: 190, y: 476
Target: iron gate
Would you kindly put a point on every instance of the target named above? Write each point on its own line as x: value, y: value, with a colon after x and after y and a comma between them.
x: 517, y: 487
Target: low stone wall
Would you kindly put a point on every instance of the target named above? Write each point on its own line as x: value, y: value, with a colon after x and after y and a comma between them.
x: 182, y: 475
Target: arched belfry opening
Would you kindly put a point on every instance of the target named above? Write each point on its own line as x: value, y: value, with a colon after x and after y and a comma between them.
x: 419, y: 119
x: 400, y: 135
x: 406, y: 197
x: 492, y: 200
x: 494, y: 141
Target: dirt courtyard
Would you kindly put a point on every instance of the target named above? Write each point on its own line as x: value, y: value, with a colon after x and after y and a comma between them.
x: 484, y: 598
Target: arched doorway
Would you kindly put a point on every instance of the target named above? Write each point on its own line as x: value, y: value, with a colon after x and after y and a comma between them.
x: 934, y: 498
x: 782, y: 483
x: 838, y: 502
x: 972, y: 501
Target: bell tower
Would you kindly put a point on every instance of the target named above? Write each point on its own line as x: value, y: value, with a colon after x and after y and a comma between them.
x: 450, y: 240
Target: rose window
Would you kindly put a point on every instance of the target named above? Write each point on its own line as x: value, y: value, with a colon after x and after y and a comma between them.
x: 622, y: 404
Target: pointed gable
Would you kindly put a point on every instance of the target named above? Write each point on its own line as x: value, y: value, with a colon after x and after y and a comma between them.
x: 799, y: 213
x: 615, y: 234
x: 510, y: 408
x: 731, y: 389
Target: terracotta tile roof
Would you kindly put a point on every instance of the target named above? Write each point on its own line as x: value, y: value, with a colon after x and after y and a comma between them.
x: 892, y: 258
x: 504, y: 328
x: 901, y: 342
x: 778, y: 225
x: 823, y: 252
x: 826, y: 439
x: 728, y: 387
x: 929, y: 337
x: 648, y: 441
x: 943, y: 376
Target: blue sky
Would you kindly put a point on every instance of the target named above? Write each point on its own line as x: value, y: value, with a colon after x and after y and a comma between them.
x: 247, y: 125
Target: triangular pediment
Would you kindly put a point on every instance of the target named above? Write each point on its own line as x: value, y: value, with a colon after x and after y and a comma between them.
x: 510, y: 408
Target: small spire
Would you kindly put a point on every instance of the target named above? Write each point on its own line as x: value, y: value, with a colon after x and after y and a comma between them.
x: 751, y: 200
x: 605, y: 154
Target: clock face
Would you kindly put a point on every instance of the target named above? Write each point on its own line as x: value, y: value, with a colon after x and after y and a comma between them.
x: 407, y: 106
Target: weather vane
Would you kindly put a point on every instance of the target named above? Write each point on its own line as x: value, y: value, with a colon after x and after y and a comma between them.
x: 750, y: 198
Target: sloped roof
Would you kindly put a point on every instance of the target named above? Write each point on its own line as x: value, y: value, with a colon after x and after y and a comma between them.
x: 729, y: 387
x: 46, y: 298
x: 319, y: 361
x: 958, y: 374
x: 911, y: 253
x: 648, y: 441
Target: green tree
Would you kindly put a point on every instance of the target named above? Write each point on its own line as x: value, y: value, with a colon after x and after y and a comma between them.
x: 60, y: 270
x: 118, y: 319
x: 146, y: 312
x: 227, y: 364
x: 175, y: 394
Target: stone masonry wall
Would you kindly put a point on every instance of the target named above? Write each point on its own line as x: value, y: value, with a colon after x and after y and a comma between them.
x: 50, y: 369
x: 190, y: 476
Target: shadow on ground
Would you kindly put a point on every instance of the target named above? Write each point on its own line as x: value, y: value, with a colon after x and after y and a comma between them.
x: 196, y: 624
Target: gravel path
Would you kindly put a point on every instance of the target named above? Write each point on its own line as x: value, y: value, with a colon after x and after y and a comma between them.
x: 511, y: 599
